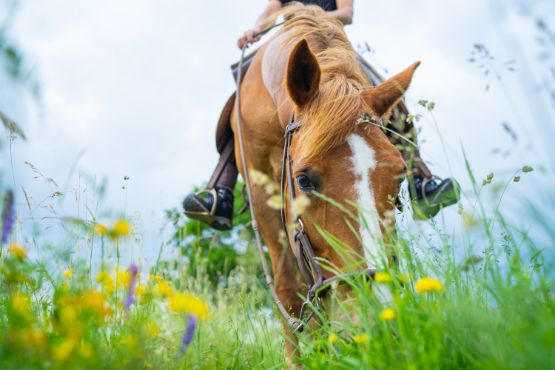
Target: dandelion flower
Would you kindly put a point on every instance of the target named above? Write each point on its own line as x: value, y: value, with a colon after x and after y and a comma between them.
x: 333, y: 338
x: 17, y: 251
x: 361, y: 338
x: 164, y: 288
x: 62, y: 351
x: 188, y: 303
x: 425, y: 285
x: 100, y: 229
x: 106, y: 280
x: 382, y: 277
x: 121, y: 228
x: 21, y: 303
x: 68, y: 273
x: 388, y: 314
x: 96, y: 302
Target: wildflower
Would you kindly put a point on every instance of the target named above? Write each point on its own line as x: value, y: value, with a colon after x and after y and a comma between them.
x: 121, y: 228
x: 106, y: 280
x: 189, y: 333
x: 300, y: 204
x: 382, y: 277
x: 361, y: 338
x: 123, y: 277
x: 63, y: 349
x: 100, y: 229
x: 37, y: 338
x: 96, y: 302
x: 17, y: 251
x: 68, y: 273
x: 8, y: 217
x: 153, y: 330
x: 275, y: 202
x: 130, y: 299
x: 183, y: 302
x: 164, y: 288
x: 333, y: 338
x: 259, y: 178
x: 21, y: 304
x: 425, y: 285
x: 388, y: 314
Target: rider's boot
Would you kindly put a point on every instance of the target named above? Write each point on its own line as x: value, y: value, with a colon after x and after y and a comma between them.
x: 429, y: 196
x: 211, y: 206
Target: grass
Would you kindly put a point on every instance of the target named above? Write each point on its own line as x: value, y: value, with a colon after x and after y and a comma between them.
x: 494, y: 310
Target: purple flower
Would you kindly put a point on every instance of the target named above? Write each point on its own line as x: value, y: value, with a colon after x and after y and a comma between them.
x: 130, y: 299
x: 189, y: 333
x: 8, y: 217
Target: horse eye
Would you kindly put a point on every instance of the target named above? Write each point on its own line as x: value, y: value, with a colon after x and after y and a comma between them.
x: 305, y: 183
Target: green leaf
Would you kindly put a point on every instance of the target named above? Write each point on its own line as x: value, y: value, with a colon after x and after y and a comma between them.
x: 527, y: 169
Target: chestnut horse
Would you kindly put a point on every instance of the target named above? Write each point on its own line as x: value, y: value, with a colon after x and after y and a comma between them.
x: 308, y: 69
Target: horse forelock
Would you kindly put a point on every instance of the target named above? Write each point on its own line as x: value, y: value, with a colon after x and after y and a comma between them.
x: 331, y: 116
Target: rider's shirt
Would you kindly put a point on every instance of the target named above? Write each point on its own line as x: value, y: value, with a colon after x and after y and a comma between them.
x: 324, y: 4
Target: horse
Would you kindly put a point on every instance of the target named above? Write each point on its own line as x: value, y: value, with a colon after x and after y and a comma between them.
x: 308, y: 70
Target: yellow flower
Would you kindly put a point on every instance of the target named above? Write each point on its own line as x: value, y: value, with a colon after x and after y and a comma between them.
x: 121, y: 228
x: 37, y: 338
x: 183, y: 302
x: 361, y: 338
x: 164, y: 288
x: 95, y: 301
x: 388, y: 314
x: 68, y: 273
x: 63, y: 349
x: 106, y: 280
x: 100, y: 229
x: 17, y: 251
x: 21, y: 303
x: 68, y: 315
x: 382, y: 277
x: 153, y: 330
x: 425, y: 285
x: 123, y: 277
x: 333, y: 338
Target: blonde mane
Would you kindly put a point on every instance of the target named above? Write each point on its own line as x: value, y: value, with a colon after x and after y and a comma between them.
x: 330, y: 118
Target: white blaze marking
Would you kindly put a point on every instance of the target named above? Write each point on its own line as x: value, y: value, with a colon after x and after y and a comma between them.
x: 364, y: 161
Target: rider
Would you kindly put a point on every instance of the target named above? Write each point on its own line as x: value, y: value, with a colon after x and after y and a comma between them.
x: 214, y: 205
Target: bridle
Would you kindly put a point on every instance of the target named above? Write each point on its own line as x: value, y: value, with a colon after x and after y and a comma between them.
x: 306, y: 259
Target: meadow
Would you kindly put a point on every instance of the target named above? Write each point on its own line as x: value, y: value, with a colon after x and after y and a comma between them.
x: 208, y: 307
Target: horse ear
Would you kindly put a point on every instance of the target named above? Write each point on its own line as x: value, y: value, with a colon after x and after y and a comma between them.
x: 303, y: 74
x: 384, y: 96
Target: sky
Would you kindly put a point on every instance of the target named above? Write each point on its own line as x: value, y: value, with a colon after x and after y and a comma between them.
x: 133, y: 88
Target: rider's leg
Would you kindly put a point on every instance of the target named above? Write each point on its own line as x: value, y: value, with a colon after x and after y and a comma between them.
x: 428, y: 196
x: 214, y: 204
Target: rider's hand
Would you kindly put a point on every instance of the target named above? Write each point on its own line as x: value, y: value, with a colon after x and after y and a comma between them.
x: 248, y: 38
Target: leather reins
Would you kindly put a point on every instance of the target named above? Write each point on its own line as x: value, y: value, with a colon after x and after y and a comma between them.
x: 302, y: 248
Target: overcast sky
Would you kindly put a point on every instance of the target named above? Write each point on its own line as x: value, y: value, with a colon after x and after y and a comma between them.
x: 136, y: 86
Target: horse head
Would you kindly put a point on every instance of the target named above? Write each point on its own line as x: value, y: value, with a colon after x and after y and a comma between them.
x: 340, y: 152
